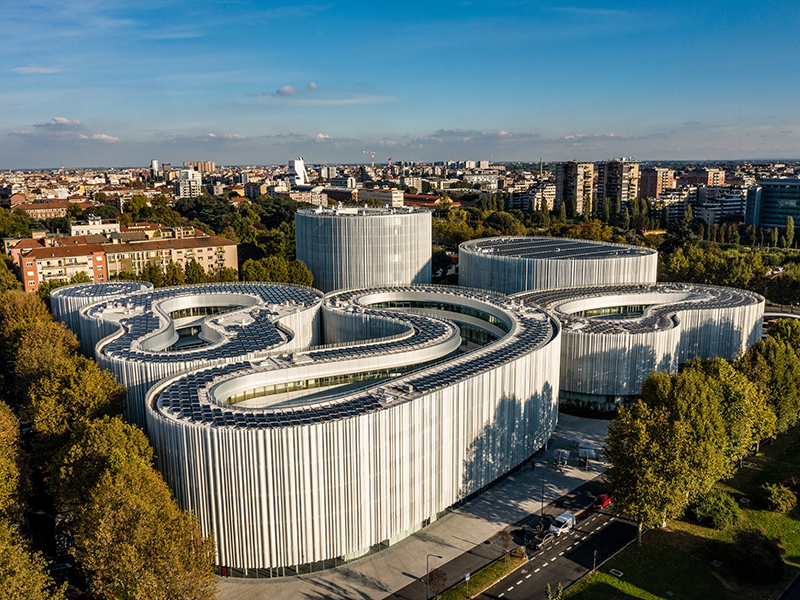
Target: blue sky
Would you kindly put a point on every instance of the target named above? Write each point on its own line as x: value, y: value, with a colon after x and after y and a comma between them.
x: 102, y: 83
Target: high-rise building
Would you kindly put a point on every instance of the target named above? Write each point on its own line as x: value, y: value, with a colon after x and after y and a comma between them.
x: 617, y: 179
x: 771, y: 201
x: 297, y: 172
x: 574, y: 183
x: 188, y: 184
x: 654, y: 180
x: 202, y: 166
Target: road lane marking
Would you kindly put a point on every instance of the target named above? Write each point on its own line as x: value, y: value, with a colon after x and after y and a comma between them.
x: 501, y: 595
x: 509, y: 589
x: 520, y: 581
x: 528, y: 576
x: 544, y: 565
x: 553, y: 559
x: 561, y: 554
x: 537, y: 570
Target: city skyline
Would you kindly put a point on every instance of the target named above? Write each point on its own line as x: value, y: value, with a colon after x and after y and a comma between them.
x: 95, y: 83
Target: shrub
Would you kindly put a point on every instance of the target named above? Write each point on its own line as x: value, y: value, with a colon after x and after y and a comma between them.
x: 717, y: 509
x: 758, y: 556
x: 778, y: 497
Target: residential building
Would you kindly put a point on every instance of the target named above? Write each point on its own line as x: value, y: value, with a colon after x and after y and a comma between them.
x: 654, y: 180
x: 62, y: 262
x: 705, y: 176
x: 189, y: 184
x: 210, y: 252
x: 94, y: 226
x: 255, y: 190
x: 617, y: 179
x: 202, y: 166
x: 574, y: 182
x: 387, y: 197
x: 716, y: 203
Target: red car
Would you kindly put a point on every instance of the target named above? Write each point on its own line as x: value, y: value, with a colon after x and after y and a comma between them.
x: 601, y: 502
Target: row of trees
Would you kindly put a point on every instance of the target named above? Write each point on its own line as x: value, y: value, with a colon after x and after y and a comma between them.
x: 131, y: 538
x: 689, y: 430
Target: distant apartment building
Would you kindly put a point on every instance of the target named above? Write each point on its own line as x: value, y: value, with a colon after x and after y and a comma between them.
x: 673, y: 202
x: 189, y: 184
x: 487, y: 180
x: 771, y: 201
x: 255, y: 190
x: 617, y: 179
x: 45, y: 210
x: 94, y: 226
x: 717, y: 203
x: 705, y: 176
x: 531, y: 200
x: 202, y: 166
x: 412, y: 182
x: 654, y: 180
x: 574, y: 183
x: 388, y: 198
x: 343, y: 181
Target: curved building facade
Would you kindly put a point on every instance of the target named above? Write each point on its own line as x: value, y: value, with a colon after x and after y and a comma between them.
x: 66, y: 302
x: 146, y: 336
x: 348, y: 248
x: 421, y: 396
x: 614, y: 336
x: 516, y: 264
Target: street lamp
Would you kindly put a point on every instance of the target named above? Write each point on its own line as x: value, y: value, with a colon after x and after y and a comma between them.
x: 428, y: 574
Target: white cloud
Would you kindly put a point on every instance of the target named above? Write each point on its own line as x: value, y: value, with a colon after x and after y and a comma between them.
x: 59, y: 123
x: 287, y: 90
x: 321, y: 137
x: 37, y: 70
x: 102, y: 137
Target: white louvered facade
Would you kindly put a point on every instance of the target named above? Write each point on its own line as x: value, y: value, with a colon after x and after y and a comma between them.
x: 352, y: 248
x: 608, y: 357
x: 516, y: 264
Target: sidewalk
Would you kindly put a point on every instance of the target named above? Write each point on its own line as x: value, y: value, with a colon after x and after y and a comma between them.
x: 460, y: 535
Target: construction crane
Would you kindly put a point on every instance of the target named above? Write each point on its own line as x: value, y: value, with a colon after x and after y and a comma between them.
x: 390, y: 162
x: 372, y: 152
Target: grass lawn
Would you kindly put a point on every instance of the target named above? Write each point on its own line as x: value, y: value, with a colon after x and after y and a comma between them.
x: 678, y: 558
x: 486, y: 577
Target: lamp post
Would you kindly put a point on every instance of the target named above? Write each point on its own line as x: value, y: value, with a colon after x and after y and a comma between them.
x: 428, y: 574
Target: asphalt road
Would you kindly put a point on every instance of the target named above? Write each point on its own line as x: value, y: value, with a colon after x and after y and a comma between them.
x: 569, y: 558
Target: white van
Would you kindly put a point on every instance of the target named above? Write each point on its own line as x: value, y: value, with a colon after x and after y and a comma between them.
x: 562, y: 524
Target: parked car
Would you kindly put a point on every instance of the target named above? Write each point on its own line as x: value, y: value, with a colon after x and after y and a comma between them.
x: 562, y: 524
x: 601, y: 502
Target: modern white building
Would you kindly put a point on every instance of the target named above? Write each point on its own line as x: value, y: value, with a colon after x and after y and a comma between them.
x: 390, y: 198
x: 66, y: 302
x: 189, y: 184
x: 614, y: 336
x: 356, y: 247
x: 297, y: 172
x: 515, y: 264
x: 307, y: 459
x: 145, y: 336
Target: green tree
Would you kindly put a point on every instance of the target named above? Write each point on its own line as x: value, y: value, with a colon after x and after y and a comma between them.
x: 8, y: 280
x: 544, y: 213
x: 298, y: 274
x: 137, y: 544
x: 96, y: 446
x: 562, y: 212
x: 195, y: 273
x: 789, y: 231
x: 626, y: 220
x: 11, y: 464
x: 69, y: 396
x: 43, y: 347
x: 23, y: 574
x: 774, y: 367
x: 174, y: 274
x: 774, y: 237
x: 46, y: 287
x: 646, y: 455
x: 20, y: 311
x: 152, y: 272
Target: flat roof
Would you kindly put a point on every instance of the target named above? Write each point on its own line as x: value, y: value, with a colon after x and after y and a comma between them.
x: 186, y: 397
x: 550, y: 248
x: 353, y: 211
